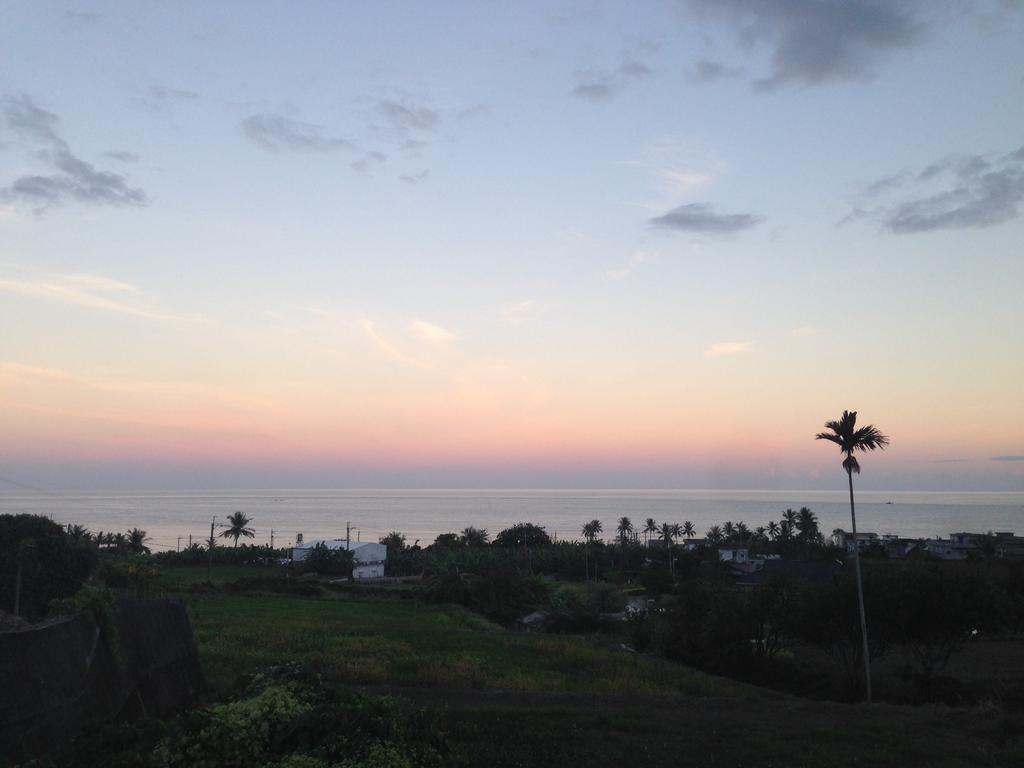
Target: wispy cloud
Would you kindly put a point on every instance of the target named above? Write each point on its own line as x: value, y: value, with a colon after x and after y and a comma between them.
x: 278, y: 133
x: 603, y: 85
x: 368, y: 162
x: 160, y: 97
x: 949, y: 461
x: 74, y: 180
x: 702, y: 218
x: 1010, y: 457
x: 804, y: 332
x: 34, y: 372
x: 405, y: 117
x: 635, y: 261
x: 813, y: 42
x: 91, y: 292
x: 967, y: 191
x: 415, y: 178
x: 387, y: 347
x: 430, y: 333
x: 726, y: 348
x: 521, y: 311
x: 708, y: 71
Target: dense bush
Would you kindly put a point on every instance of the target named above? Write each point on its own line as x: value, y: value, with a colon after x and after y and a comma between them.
x: 493, y: 586
x: 52, y: 564
x: 279, y: 718
x: 244, y: 554
x: 325, y: 561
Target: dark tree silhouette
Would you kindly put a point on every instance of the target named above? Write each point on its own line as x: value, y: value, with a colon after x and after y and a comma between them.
x: 475, y: 537
x: 850, y: 440
x: 238, y: 526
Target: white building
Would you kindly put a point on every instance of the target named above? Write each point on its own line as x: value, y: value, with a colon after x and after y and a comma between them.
x: 734, y: 553
x: 368, y: 558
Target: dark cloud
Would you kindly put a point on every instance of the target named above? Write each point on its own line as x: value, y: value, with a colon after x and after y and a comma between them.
x: 277, y: 133
x: 477, y: 110
x: 159, y: 98
x: 602, y: 85
x: 817, y: 41
x: 701, y: 218
x: 408, y: 117
x: 958, y: 192
x: 74, y: 180
x: 124, y: 157
x: 30, y: 121
x: 708, y: 71
x: 82, y: 18
x: 1012, y: 457
x: 370, y: 160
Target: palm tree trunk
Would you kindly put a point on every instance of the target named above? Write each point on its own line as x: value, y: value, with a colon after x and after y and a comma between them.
x: 860, y: 594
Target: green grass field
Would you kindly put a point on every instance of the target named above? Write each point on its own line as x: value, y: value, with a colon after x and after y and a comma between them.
x: 408, y: 643
x: 511, y: 699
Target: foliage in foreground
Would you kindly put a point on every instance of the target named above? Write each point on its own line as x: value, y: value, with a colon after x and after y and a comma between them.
x: 280, y: 718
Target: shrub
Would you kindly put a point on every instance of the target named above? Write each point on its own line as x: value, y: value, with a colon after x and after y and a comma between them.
x: 52, y: 565
x: 325, y: 561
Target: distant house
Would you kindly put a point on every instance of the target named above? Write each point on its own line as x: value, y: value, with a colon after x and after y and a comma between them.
x: 845, y: 540
x: 961, y: 545
x: 368, y: 558
x: 737, y: 554
x: 692, y: 545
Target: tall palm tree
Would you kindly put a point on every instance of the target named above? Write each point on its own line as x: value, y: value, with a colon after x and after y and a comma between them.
x: 650, y: 527
x: 688, y: 530
x: 238, y: 526
x: 136, y: 541
x: 790, y: 516
x: 590, y: 531
x: 742, y: 532
x: 728, y: 530
x: 773, y: 529
x: 850, y: 440
x: 625, y: 529
x: 807, y: 524
x: 714, y: 535
x: 668, y: 532
x: 78, y: 533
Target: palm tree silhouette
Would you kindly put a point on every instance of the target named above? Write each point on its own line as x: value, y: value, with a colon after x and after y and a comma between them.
x: 625, y: 528
x: 136, y: 541
x: 650, y: 527
x: 590, y: 531
x: 845, y: 434
x: 688, y: 529
x: 237, y: 527
x: 773, y: 529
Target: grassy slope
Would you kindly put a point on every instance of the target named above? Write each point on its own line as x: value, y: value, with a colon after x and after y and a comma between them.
x: 407, y: 643
x: 537, y: 700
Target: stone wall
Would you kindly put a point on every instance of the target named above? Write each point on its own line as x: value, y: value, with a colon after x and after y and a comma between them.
x: 59, y: 677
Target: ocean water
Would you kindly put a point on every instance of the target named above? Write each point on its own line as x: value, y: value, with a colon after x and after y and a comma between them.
x: 169, y: 518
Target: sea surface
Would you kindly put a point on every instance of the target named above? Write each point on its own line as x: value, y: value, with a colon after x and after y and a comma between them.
x: 170, y: 518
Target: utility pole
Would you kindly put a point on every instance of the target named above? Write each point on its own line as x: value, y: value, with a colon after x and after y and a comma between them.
x: 209, y: 559
x: 348, y: 533
x: 178, y: 548
x: 190, y: 541
x: 271, y: 538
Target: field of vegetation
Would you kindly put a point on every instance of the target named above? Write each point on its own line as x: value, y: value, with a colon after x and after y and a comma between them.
x: 305, y: 669
x: 515, y: 699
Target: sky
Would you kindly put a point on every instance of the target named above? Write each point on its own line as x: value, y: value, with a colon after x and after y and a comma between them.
x: 561, y: 244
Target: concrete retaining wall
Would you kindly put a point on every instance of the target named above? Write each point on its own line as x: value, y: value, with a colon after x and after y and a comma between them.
x: 58, y: 678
